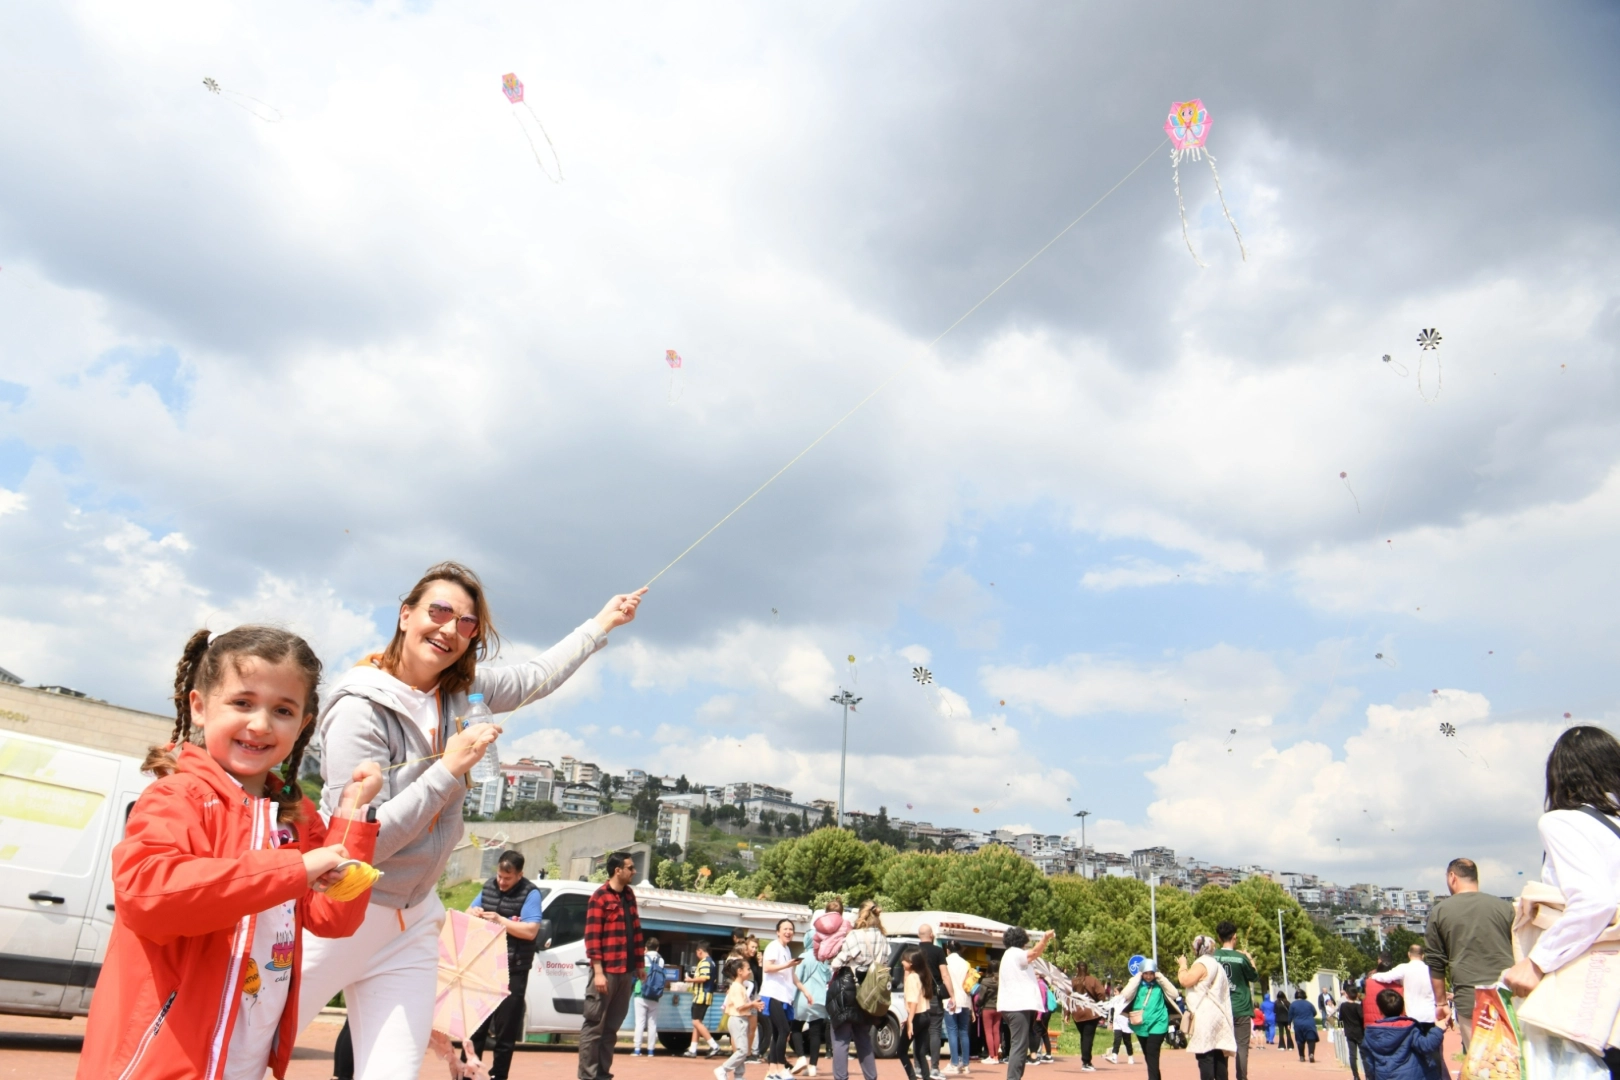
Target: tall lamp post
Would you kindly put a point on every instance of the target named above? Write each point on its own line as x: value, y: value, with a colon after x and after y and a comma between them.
x: 846, y: 699
x: 1085, y: 859
x: 1283, y: 943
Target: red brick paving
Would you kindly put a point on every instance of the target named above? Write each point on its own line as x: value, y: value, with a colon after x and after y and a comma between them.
x: 39, y: 1049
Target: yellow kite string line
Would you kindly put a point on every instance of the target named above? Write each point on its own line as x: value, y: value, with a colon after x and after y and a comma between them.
x: 357, y: 876
x: 902, y: 368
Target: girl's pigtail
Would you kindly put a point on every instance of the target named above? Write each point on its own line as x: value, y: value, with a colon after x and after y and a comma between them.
x: 163, y: 760
x: 291, y: 795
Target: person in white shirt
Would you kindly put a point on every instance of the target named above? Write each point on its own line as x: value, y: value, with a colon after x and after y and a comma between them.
x: 1581, y: 838
x: 1019, y: 997
x: 1418, y: 985
x: 778, y: 987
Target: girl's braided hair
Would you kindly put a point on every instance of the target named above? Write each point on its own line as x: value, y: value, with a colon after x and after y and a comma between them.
x: 200, y: 668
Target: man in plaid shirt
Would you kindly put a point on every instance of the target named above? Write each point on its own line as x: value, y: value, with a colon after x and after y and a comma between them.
x: 613, y: 946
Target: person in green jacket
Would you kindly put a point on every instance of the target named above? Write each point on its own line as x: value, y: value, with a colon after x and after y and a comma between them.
x: 1151, y: 999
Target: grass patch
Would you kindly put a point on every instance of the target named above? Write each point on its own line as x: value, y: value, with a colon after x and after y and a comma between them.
x: 459, y: 896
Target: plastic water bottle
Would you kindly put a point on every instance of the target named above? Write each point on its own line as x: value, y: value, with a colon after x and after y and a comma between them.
x: 489, y: 766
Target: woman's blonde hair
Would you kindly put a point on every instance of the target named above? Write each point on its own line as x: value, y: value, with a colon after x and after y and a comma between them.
x: 869, y: 916
x: 485, y: 641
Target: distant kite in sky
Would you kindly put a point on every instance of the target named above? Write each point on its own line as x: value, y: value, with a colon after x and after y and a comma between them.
x: 1188, y: 127
x: 1346, y: 478
x: 1448, y: 730
x: 268, y: 113
x: 673, y: 359
x: 922, y: 675
x: 512, y: 87
x: 1396, y: 366
x: 852, y: 677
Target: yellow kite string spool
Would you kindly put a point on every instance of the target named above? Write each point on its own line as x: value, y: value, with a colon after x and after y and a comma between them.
x: 356, y: 879
x: 357, y: 876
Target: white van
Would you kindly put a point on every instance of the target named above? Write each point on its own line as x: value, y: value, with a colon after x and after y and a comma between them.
x: 62, y: 808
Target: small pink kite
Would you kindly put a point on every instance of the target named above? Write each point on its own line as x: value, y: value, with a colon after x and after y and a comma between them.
x: 512, y: 87
x: 1188, y: 126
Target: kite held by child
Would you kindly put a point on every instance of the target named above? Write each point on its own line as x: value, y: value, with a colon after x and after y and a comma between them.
x: 215, y: 877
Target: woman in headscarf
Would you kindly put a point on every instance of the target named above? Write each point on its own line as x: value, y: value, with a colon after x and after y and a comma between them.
x: 1209, y: 1001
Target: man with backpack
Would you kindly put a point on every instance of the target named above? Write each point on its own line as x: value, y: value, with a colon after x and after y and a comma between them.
x: 512, y: 901
x: 649, y: 988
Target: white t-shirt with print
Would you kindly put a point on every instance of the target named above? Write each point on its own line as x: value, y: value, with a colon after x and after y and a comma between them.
x: 778, y: 984
x: 1019, y: 991
x: 264, y: 992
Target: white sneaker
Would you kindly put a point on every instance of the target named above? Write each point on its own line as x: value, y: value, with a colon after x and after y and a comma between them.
x: 1088, y: 1068
x: 1130, y: 1059
x: 799, y: 1066
x: 1113, y: 1059
x: 812, y: 1071
x: 720, y: 1073
x: 691, y: 1051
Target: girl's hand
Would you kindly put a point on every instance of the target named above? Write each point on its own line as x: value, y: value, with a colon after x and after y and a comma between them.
x: 463, y: 749
x: 320, y: 863
x: 363, y: 786
x: 619, y: 610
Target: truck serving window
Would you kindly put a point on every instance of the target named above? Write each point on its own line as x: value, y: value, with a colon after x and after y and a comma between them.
x: 567, y: 915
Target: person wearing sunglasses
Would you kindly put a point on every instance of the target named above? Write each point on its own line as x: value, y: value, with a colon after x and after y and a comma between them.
x: 402, y: 708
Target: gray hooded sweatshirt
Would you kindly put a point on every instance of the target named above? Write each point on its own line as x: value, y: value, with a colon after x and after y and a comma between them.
x: 419, y: 807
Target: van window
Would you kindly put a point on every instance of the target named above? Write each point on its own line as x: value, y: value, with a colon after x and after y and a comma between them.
x: 567, y: 915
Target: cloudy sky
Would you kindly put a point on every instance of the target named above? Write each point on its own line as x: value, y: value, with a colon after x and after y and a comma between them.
x: 268, y: 354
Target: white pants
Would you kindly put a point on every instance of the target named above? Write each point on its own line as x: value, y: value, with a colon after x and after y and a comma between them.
x: 389, y: 978
x: 646, y: 1020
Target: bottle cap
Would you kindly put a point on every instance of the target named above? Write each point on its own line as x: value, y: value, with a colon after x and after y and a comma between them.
x: 474, y: 697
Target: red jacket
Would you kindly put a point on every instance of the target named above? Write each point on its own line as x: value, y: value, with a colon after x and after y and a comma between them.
x: 195, y: 867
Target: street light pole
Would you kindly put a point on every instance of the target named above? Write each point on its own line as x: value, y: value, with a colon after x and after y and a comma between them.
x: 1085, y: 859
x: 846, y: 699
x: 1283, y: 942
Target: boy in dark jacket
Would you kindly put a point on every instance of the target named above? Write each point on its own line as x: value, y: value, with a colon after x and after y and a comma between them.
x: 1398, y: 1047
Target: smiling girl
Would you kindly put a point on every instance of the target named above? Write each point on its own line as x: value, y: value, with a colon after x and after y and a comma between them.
x: 216, y: 873
x: 401, y: 707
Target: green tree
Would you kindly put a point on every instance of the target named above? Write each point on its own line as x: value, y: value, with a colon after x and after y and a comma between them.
x: 1344, y: 957
x: 1266, y: 897
x: 996, y: 883
x: 682, y: 784
x: 542, y: 810
x: 909, y: 880
x: 828, y: 860
x: 826, y: 821
x: 1398, y: 941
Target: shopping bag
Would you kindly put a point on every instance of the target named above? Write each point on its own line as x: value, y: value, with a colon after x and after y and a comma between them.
x: 1549, y: 1057
x: 1493, y: 1053
x: 1581, y: 1000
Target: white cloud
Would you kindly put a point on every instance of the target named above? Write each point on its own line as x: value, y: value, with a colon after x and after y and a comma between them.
x: 1394, y: 800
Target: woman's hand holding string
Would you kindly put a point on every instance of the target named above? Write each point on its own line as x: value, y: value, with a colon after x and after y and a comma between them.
x: 463, y: 749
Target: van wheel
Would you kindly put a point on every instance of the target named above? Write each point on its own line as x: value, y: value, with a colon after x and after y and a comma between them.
x: 675, y: 1044
x: 886, y: 1039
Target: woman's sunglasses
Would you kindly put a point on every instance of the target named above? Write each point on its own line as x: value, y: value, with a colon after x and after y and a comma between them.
x: 466, y: 625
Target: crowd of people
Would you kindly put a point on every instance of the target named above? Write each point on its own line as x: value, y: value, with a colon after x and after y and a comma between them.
x: 226, y: 942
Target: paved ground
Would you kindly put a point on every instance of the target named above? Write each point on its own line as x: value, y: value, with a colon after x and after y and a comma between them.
x: 49, y: 1050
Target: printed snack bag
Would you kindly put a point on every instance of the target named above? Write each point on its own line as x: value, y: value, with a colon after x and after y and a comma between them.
x: 1494, y: 1053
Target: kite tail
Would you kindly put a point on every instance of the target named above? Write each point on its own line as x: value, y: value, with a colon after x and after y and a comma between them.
x: 1175, y: 176
x: 549, y: 146
x: 1224, y: 210
x: 1439, y: 380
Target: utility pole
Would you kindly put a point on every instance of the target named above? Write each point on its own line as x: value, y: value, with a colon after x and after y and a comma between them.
x: 1153, y: 913
x: 1085, y: 857
x: 1283, y: 942
x: 846, y: 699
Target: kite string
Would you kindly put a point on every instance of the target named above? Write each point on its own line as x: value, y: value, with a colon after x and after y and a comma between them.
x: 535, y: 150
x: 903, y: 367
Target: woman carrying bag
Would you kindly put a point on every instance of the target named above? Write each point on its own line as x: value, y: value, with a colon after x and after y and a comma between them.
x: 1209, y: 1009
x: 861, y: 965
x: 1580, y: 833
x: 1150, y: 997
